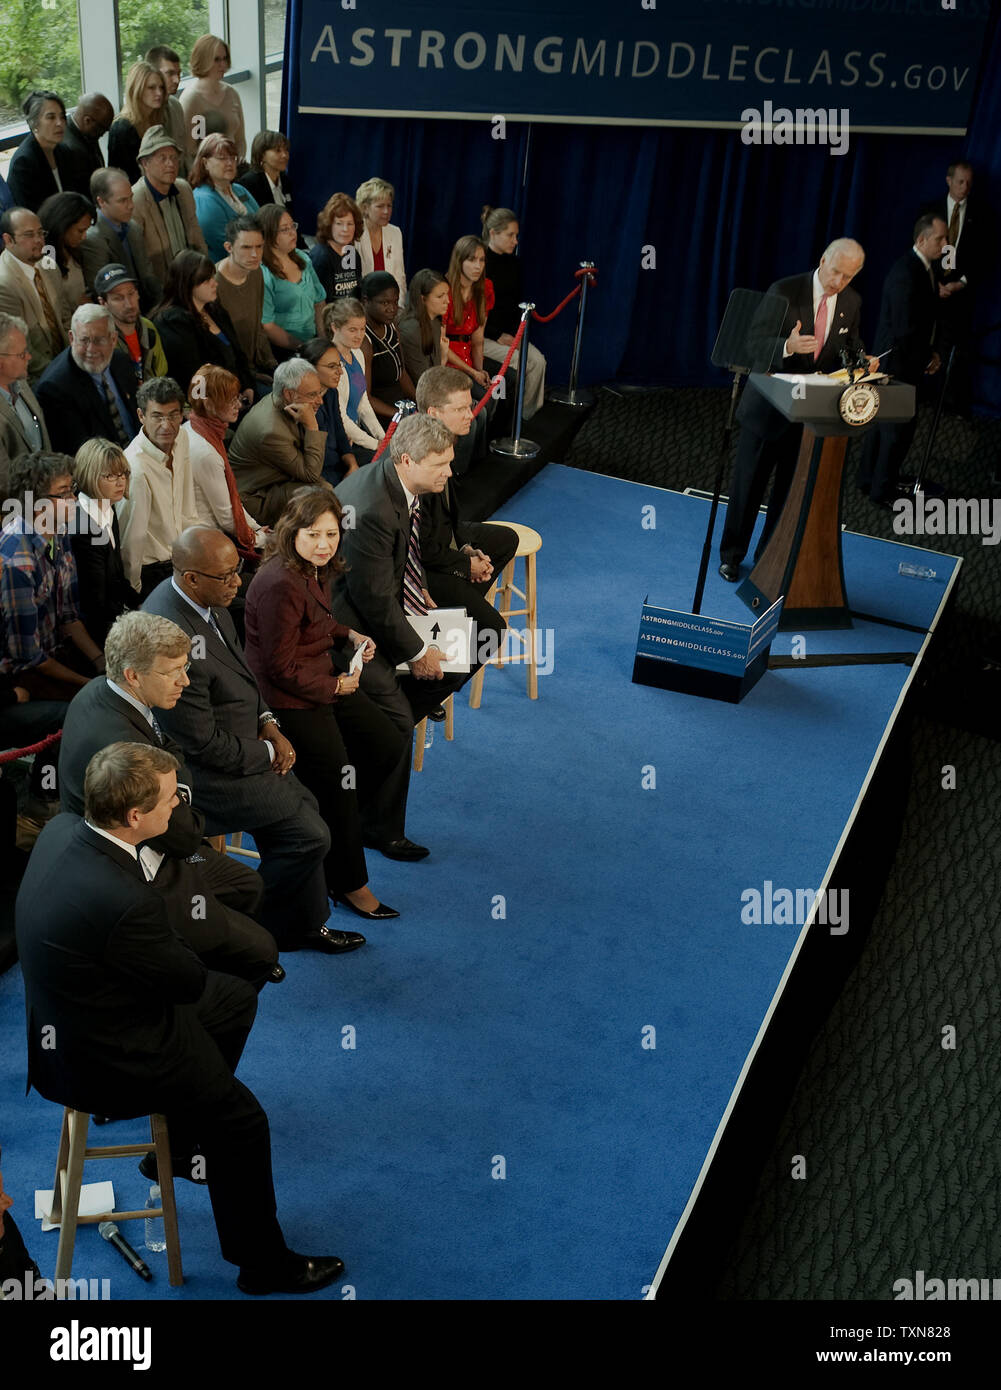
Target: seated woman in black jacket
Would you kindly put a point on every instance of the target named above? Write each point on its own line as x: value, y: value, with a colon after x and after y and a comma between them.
x: 266, y: 178
x: 196, y: 330
x: 101, y: 474
x: 39, y: 167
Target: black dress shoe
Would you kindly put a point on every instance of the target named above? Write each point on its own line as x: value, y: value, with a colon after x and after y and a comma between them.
x: 437, y: 715
x: 276, y: 974
x: 183, y: 1167
x: 402, y: 849
x: 301, y: 1274
x: 333, y: 943
x: 731, y: 573
x: 381, y: 914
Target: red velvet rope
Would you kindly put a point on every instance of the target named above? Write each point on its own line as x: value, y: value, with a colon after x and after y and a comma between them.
x: 495, y: 382
x: 592, y: 279
x: 385, y: 439
x: 15, y: 753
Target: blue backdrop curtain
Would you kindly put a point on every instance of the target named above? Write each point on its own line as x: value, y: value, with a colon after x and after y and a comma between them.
x: 716, y: 213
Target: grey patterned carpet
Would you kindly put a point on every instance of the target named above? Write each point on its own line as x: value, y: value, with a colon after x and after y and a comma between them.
x: 900, y: 1134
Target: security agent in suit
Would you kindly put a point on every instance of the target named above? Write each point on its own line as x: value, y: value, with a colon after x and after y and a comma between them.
x: 908, y: 313
x: 370, y: 595
x: 149, y: 656
x: 124, y: 1019
x: 240, y: 759
x: 78, y: 389
x: 768, y: 441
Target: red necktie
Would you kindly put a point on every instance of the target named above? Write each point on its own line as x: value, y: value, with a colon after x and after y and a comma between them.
x: 820, y: 328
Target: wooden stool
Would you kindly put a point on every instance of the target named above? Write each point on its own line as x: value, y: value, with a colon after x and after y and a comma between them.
x: 73, y: 1153
x: 529, y: 542
x: 233, y: 844
x: 420, y: 733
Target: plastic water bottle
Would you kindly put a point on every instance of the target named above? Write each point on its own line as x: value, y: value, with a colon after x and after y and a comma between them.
x: 912, y: 571
x: 156, y: 1240
x: 429, y: 733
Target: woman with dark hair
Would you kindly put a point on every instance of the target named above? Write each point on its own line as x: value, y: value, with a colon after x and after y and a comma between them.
x: 386, y: 378
x: 335, y: 257
x: 143, y: 105
x: 211, y: 106
x: 217, y: 198
x: 293, y: 296
x: 38, y: 167
x: 101, y: 475
x: 503, y: 269
x: 291, y: 636
x: 215, y: 408
x: 266, y: 179
x: 422, y: 324
x: 340, y: 457
x: 470, y: 299
x: 66, y: 218
x: 194, y: 328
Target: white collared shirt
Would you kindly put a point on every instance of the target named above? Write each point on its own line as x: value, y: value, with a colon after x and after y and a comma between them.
x: 148, y: 859
x: 99, y: 509
x: 160, y: 504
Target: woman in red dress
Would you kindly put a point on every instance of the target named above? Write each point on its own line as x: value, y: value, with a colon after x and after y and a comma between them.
x: 470, y: 299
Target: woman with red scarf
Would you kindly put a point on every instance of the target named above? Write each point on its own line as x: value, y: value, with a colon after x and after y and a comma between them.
x: 215, y: 406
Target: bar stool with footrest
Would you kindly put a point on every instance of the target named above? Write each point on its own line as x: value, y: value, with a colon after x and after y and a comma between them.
x: 529, y: 543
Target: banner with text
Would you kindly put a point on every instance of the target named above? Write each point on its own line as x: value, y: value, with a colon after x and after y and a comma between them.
x: 908, y: 65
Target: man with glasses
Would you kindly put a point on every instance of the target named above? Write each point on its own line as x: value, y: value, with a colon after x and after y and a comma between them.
x: 28, y: 290
x: 278, y: 446
x: 45, y: 644
x: 161, y: 500
x: 163, y: 204
x: 89, y: 390
x: 147, y: 663
x: 240, y: 759
x: 22, y: 424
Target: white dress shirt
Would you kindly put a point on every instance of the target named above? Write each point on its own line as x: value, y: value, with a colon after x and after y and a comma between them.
x: 160, y: 504
x: 149, y: 860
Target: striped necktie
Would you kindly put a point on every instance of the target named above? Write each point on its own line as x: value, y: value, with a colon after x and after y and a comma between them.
x: 954, y: 223
x: 52, y: 323
x: 413, y: 588
x: 154, y: 723
x: 116, y: 415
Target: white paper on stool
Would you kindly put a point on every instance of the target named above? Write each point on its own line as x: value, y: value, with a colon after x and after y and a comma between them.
x: 95, y: 1199
x: 454, y: 637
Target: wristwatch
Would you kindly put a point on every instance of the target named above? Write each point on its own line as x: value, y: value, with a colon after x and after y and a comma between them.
x: 267, y: 718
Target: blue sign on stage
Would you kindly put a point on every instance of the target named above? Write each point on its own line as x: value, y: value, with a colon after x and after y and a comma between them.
x: 887, y: 64
x: 701, y: 655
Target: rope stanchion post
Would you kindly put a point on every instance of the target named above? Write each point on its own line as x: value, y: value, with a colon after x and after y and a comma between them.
x: 513, y: 446
x: 403, y: 408
x: 572, y: 394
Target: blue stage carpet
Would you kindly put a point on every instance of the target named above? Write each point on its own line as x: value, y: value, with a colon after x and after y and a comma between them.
x: 566, y: 910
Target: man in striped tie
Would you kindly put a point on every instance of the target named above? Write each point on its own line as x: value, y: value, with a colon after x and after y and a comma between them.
x: 385, y: 584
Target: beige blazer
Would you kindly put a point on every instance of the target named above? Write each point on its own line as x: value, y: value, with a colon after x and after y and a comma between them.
x: 147, y: 215
x: 16, y: 297
x: 12, y: 441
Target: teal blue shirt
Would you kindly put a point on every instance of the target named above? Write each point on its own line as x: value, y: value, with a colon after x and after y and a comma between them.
x: 292, y: 306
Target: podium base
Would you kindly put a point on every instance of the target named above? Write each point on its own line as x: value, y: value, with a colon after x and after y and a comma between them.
x: 515, y: 448
x: 571, y: 395
x: 795, y: 619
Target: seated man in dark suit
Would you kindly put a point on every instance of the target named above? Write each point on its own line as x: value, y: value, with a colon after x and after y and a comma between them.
x: 461, y: 558
x: 89, y: 390
x: 146, y: 658
x: 237, y: 753
x: 114, y: 239
x: 142, y: 1026
x: 822, y: 318
x: 908, y: 314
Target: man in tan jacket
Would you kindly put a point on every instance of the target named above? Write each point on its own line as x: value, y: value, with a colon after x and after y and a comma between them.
x: 28, y: 290
x: 22, y: 424
x: 277, y: 446
x: 163, y: 204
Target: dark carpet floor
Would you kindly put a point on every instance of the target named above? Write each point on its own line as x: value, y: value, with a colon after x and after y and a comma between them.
x: 896, y: 1115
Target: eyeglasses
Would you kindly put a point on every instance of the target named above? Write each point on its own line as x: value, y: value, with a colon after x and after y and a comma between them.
x: 111, y: 477
x: 92, y: 342
x: 22, y: 355
x: 220, y: 578
x: 289, y: 227
x: 311, y: 395
x: 168, y: 675
x: 62, y: 496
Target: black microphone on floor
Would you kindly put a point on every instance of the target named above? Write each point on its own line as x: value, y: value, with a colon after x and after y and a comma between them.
x: 110, y: 1232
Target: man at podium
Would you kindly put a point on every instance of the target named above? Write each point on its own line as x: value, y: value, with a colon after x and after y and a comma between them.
x: 821, y: 320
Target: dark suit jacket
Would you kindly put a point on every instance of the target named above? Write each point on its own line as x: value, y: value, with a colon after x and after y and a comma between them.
x: 908, y: 312
x: 102, y: 718
x: 30, y: 177
x: 84, y: 156
x: 104, y: 967
x: 105, y: 593
x: 754, y: 412
x: 101, y: 247
x: 443, y: 534
x: 74, y: 408
x: 217, y: 721
x: 368, y: 597
x: 255, y: 181
x: 12, y: 438
x: 975, y: 251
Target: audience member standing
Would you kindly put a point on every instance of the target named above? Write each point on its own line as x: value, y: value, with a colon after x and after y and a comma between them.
x: 334, y: 256
x: 85, y: 126
x: 380, y: 245
x: 503, y: 270
x: 217, y: 198
x: 30, y: 291
x: 267, y: 178
x: 143, y: 106
x: 39, y: 167
x: 114, y: 238
x: 163, y: 204
x: 210, y: 105
x: 240, y: 283
x: 194, y: 326
x: 293, y: 296
x: 161, y: 499
x: 67, y: 218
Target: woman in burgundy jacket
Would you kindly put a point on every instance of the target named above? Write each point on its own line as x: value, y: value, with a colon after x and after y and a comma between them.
x: 291, y: 635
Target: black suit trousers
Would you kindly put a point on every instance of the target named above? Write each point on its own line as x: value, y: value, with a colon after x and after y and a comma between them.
x: 221, y: 935
x: 756, y: 458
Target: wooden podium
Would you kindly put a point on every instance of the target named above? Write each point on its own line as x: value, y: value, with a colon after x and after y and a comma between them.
x: 803, y: 557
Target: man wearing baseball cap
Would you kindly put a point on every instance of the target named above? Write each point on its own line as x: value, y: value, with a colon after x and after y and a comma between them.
x: 164, y: 206
x: 116, y: 288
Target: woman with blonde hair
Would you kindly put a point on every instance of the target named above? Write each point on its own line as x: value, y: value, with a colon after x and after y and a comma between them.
x: 380, y: 245
x: 101, y: 474
x: 143, y: 105
x: 503, y: 269
x: 211, y: 106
